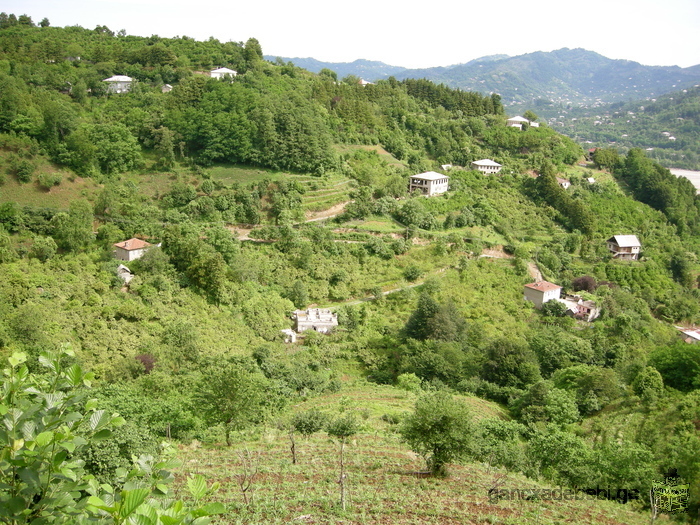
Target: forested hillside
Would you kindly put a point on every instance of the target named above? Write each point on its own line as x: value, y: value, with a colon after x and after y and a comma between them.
x: 279, y: 189
x: 667, y: 127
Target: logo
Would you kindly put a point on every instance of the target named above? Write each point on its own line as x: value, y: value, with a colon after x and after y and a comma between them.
x: 670, y: 495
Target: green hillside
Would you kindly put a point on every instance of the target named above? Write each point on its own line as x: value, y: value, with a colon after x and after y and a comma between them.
x: 279, y: 189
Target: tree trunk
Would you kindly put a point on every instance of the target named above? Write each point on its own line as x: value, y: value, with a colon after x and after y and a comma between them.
x: 342, y: 475
x: 293, y: 447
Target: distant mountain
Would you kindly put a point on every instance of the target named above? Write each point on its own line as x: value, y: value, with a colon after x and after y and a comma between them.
x: 543, y: 81
x: 366, y: 69
x: 562, y: 78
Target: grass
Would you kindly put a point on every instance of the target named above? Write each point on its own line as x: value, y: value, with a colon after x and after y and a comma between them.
x: 383, y: 154
x: 385, y: 480
x: 31, y: 194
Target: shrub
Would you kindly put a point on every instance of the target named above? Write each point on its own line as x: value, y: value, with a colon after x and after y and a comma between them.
x: 23, y: 169
x: 49, y: 180
x: 440, y: 429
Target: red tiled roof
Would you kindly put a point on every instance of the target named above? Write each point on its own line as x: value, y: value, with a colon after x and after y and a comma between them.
x: 132, y: 244
x: 542, y: 286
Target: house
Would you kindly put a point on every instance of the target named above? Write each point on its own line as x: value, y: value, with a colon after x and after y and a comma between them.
x: 624, y: 247
x: 590, y: 180
x: 429, y: 183
x: 319, y: 319
x: 364, y: 82
x: 124, y: 274
x: 517, y: 122
x: 690, y: 335
x: 578, y: 308
x: 222, y: 72
x: 118, y: 84
x: 131, y: 249
x: 290, y: 336
x: 564, y: 183
x: 486, y: 166
x: 167, y: 88
x: 541, y: 292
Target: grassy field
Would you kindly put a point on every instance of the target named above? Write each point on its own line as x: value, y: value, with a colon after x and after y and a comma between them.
x: 31, y: 194
x: 383, y: 154
x: 385, y: 480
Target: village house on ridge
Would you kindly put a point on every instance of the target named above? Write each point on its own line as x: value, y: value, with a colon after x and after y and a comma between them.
x: 486, y: 166
x: 221, y: 72
x: 541, y: 292
x: 429, y: 183
x: 320, y: 320
x: 624, y: 247
x: 118, y: 84
x: 131, y: 249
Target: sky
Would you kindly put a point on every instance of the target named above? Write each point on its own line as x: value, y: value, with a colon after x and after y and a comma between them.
x: 408, y: 34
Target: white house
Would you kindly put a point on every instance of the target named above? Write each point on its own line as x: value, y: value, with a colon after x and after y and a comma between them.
x: 541, y: 292
x: 624, y: 247
x: 222, y: 72
x: 486, y: 166
x: 564, y: 183
x: 690, y: 335
x: 517, y: 122
x: 131, y: 249
x: 429, y: 183
x: 167, y: 88
x: 118, y: 84
x: 319, y: 319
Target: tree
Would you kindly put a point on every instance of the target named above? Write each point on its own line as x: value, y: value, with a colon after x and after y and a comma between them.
x: 648, y: 385
x: 44, y: 22
x: 530, y: 115
x: 679, y: 365
x: 231, y: 394
x: 343, y: 428
x: 440, y: 429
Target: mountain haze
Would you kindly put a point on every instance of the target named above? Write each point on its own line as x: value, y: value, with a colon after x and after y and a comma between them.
x: 563, y: 77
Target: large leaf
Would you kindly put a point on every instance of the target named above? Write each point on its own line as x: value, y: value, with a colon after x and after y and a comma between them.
x: 131, y: 499
x: 44, y: 438
x: 215, y: 507
x: 198, y: 486
x: 99, y: 419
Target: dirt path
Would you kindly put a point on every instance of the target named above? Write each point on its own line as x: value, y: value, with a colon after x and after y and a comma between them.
x: 333, y: 211
x: 534, y: 271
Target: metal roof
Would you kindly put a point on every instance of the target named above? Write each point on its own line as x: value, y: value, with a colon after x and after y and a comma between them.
x: 118, y: 78
x: 625, y: 241
x: 430, y: 175
x: 486, y: 162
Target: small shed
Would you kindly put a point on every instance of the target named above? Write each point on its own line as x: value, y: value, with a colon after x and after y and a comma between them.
x: 131, y: 249
x: 564, y: 183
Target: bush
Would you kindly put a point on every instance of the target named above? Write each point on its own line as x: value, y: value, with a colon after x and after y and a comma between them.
x: 23, y: 169
x: 440, y: 429
x: 49, y: 180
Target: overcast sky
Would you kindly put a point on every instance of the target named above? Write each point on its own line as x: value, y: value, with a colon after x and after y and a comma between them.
x: 408, y: 34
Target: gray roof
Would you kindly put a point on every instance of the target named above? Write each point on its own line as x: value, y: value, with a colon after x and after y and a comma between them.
x: 625, y: 241
x: 118, y: 78
x: 486, y: 162
x: 430, y: 175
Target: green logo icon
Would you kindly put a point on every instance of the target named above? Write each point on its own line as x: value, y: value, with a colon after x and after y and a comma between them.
x: 670, y: 495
